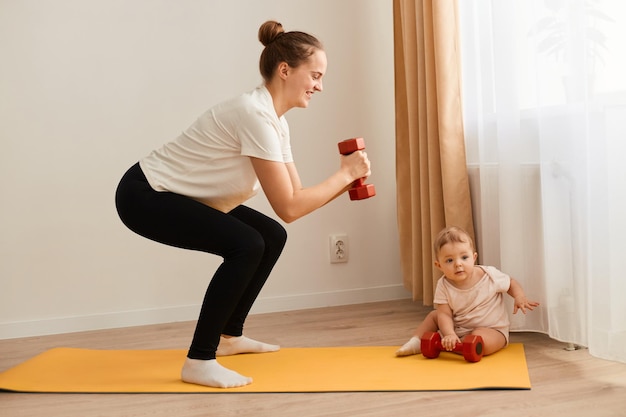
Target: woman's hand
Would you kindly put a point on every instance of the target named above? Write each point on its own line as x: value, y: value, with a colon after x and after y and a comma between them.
x: 356, y: 165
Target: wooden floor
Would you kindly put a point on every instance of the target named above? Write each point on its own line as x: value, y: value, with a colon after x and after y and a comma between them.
x: 564, y: 383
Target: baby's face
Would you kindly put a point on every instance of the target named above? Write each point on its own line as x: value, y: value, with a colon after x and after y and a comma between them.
x: 456, y: 261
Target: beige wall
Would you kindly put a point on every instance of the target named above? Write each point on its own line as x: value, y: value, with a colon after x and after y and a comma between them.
x: 88, y: 87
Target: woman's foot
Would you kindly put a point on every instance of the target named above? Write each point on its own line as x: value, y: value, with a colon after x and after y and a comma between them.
x: 241, y: 344
x: 212, y: 374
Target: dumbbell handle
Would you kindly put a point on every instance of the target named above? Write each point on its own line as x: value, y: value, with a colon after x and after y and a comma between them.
x: 458, y: 347
x: 471, y: 348
x: 359, y: 190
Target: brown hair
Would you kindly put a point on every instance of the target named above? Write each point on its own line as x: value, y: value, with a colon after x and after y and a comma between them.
x: 291, y: 47
x: 452, y: 234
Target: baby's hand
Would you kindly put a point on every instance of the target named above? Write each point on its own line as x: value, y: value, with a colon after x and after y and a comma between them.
x: 522, y: 303
x: 450, y: 341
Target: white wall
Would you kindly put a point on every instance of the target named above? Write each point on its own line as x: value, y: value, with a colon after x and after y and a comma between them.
x: 87, y: 87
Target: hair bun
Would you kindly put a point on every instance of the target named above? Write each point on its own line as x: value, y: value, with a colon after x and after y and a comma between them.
x: 269, y: 31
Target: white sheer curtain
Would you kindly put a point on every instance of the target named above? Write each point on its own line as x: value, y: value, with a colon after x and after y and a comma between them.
x: 544, y: 104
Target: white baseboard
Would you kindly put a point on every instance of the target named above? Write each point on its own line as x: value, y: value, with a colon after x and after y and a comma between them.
x: 119, y: 319
x: 329, y: 299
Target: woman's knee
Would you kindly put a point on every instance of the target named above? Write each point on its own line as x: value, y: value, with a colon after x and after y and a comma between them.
x: 274, y: 238
x: 273, y: 233
x: 250, y: 246
x: 278, y: 235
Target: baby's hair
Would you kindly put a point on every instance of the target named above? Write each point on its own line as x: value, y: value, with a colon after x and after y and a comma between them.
x: 452, y: 234
x: 293, y: 47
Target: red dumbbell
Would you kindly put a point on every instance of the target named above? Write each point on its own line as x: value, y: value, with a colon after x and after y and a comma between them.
x: 471, y: 347
x: 359, y: 191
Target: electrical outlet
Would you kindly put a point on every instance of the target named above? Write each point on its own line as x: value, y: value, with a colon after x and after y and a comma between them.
x: 338, y: 248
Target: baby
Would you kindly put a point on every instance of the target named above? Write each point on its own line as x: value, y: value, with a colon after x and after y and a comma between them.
x: 468, y: 298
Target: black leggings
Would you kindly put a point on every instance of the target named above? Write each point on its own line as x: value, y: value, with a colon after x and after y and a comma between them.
x: 249, y: 242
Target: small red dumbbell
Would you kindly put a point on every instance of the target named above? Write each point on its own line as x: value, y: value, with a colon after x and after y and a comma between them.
x: 471, y: 348
x: 359, y: 191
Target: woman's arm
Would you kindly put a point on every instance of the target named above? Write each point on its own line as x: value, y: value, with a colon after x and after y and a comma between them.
x: 290, y: 201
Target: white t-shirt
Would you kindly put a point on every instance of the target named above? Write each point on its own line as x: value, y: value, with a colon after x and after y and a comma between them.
x: 210, y: 162
x: 479, y: 306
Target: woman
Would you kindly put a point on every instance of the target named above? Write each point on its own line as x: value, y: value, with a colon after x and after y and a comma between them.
x: 190, y: 194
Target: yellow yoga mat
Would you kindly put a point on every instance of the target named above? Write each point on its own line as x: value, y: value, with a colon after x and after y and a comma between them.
x: 325, y: 369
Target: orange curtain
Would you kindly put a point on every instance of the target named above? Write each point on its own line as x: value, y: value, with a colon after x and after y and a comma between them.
x: 432, y: 182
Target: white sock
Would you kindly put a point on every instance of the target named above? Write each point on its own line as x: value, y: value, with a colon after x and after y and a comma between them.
x: 212, y: 374
x: 241, y: 344
x: 412, y: 347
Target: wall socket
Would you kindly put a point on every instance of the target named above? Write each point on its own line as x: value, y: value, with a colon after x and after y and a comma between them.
x: 338, y: 248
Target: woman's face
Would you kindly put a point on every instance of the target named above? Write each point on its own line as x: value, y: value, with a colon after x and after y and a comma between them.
x: 305, y: 80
